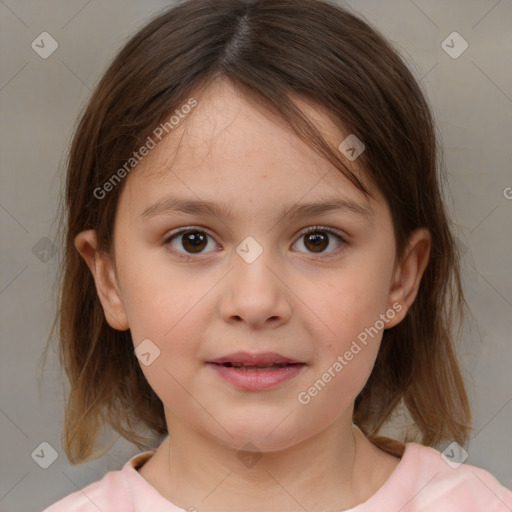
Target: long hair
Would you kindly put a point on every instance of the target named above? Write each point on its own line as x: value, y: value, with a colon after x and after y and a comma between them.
x: 272, y: 51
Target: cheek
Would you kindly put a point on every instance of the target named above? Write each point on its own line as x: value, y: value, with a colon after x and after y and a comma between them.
x: 172, y: 323
x: 349, y: 305
x: 172, y: 319
x: 351, y: 309
x: 158, y: 303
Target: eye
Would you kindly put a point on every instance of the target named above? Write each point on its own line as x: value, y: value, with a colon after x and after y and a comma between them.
x: 318, y: 238
x: 193, y: 240
x: 189, y: 241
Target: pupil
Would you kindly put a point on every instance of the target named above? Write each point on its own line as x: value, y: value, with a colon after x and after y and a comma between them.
x: 195, y: 239
x: 318, y: 241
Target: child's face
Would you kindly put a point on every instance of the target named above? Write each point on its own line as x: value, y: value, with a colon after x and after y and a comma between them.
x: 290, y: 301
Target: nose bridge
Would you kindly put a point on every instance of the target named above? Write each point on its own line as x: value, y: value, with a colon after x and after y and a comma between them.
x: 254, y: 292
x: 251, y: 265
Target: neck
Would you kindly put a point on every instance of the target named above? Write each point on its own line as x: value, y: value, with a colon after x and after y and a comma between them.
x: 331, y: 471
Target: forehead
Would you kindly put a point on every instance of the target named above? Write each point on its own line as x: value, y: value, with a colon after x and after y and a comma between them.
x: 228, y: 141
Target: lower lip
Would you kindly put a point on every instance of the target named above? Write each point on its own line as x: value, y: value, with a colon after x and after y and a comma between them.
x: 256, y: 380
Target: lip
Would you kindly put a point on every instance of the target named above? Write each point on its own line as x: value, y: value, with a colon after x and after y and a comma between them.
x: 254, y: 359
x: 256, y: 380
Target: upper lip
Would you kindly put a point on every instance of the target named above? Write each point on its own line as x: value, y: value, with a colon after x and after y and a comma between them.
x: 259, y: 359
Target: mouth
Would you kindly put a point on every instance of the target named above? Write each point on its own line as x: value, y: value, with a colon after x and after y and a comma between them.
x: 249, y: 368
x: 255, y: 361
x: 256, y: 371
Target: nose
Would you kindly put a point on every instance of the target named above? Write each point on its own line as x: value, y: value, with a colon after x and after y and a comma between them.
x: 255, y: 293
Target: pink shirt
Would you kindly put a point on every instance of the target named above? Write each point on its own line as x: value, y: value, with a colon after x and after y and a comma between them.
x: 421, y: 482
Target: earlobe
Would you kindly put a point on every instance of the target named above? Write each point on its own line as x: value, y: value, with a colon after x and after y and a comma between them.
x: 105, y: 279
x: 409, y: 272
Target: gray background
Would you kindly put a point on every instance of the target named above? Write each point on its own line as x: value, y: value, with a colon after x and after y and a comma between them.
x: 40, y: 100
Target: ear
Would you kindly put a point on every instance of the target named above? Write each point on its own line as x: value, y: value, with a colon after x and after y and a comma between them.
x: 408, y: 273
x: 103, y: 272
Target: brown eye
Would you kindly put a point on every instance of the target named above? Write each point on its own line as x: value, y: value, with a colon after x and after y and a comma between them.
x: 194, y: 241
x: 189, y: 241
x: 317, y: 240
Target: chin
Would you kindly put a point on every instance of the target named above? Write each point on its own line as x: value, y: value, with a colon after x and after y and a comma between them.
x: 261, y: 436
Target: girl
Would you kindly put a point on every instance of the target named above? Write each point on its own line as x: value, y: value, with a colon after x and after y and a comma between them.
x: 259, y: 268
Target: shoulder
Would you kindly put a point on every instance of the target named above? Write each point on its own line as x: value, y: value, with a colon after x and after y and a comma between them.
x: 110, y: 494
x: 101, y: 495
x: 439, y: 483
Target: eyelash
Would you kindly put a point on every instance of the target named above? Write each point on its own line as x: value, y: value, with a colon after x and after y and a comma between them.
x: 313, y: 229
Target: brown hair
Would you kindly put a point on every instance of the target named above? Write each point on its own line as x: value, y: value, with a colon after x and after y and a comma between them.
x: 272, y: 51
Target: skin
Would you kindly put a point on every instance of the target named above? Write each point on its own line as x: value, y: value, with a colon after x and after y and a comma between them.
x: 289, y: 300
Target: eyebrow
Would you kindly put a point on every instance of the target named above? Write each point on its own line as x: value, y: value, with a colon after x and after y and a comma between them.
x: 170, y: 205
